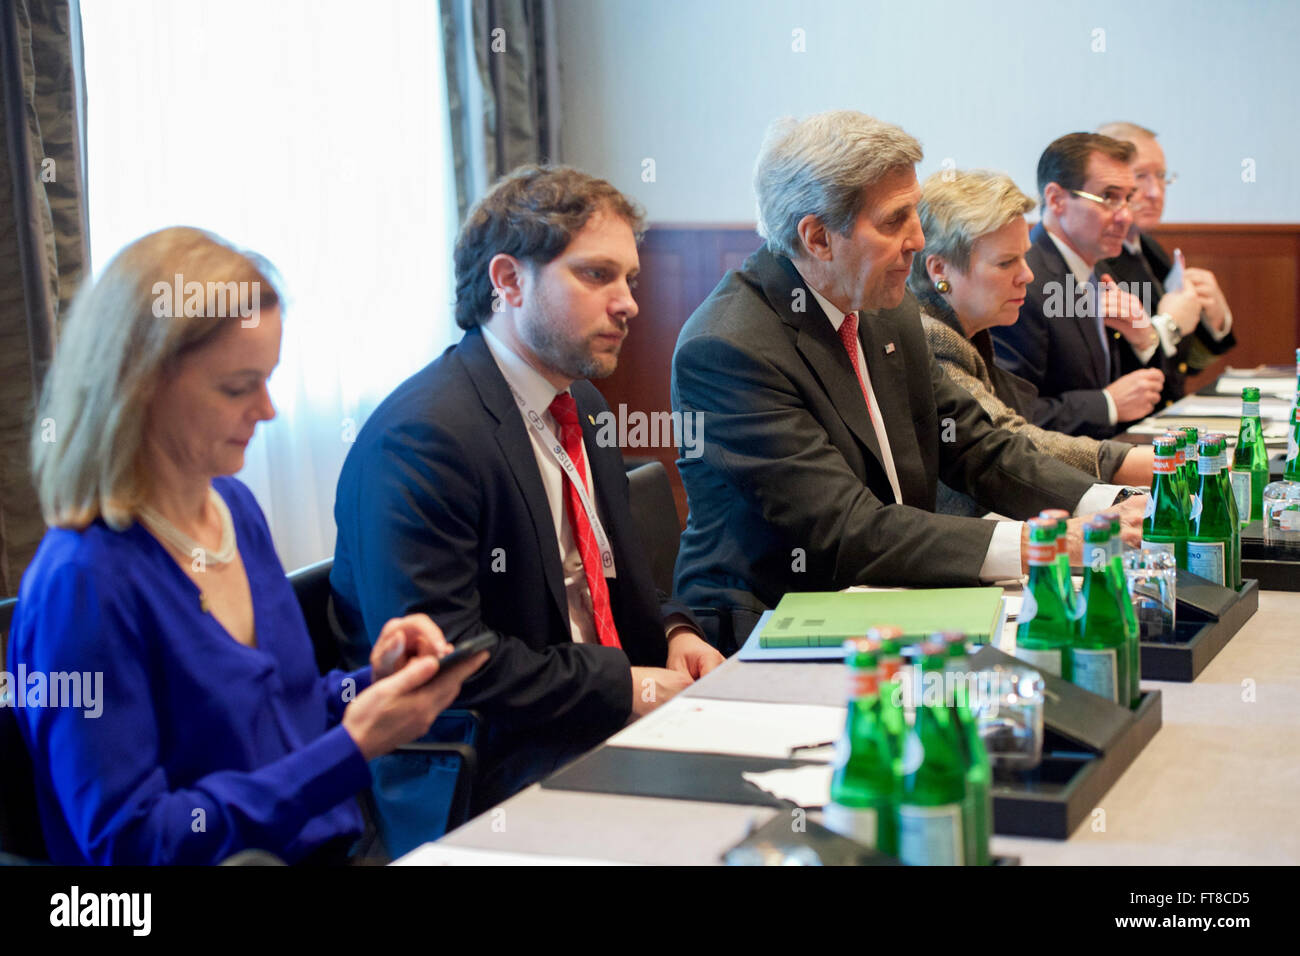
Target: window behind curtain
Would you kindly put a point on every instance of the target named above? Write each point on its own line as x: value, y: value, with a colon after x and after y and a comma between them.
x: 315, y: 134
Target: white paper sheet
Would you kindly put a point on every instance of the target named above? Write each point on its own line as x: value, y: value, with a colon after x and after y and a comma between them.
x: 705, y: 725
x: 440, y: 854
x: 805, y: 786
x: 1277, y: 386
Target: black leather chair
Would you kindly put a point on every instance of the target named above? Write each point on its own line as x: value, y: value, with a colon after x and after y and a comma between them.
x: 21, y: 839
x: 410, y: 786
x: 654, y: 511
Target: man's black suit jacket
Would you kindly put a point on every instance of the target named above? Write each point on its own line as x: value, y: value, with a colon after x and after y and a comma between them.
x: 1055, y: 346
x: 790, y: 493
x: 441, y: 509
x: 1152, y: 265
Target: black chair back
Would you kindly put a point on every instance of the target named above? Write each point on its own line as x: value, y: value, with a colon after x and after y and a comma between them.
x: 311, y: 585
x: 654, y: 512
x: 21, y: 838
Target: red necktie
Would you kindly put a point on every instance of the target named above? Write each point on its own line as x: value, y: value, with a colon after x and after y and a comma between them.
x: 565, y: 410
x: 849, y: 336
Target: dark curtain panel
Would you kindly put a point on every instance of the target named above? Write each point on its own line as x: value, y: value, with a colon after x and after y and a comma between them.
x: 43, y: 241
x: 502, y: 89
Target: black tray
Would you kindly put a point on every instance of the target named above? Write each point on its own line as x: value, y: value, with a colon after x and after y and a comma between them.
x: 1198, y: 636
x: 1275, y: 566
x: 1053, y: 799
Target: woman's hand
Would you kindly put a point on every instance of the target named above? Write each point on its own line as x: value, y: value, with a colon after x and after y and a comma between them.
x: 401, y: 707
x: 402, y: 640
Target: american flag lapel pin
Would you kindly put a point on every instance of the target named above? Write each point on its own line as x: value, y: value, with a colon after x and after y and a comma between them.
x: 889, y: 349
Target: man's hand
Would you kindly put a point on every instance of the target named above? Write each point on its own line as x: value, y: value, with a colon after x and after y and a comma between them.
x: 691, y: 655
x: 1208, y: 293
x: 402, y: 640
x: 652, y: 686
x: 1123, y: 312
x: 1184, y: 307
x: 1136, y: 394
x: 1131, y: 512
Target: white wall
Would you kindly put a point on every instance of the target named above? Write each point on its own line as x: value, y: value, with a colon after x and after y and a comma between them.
x: 692, y: 84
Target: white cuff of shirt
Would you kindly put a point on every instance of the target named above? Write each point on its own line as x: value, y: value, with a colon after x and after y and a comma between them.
x: 1002, y: 562
x: 1162, y: 323
x: 1111, y: 411
x: 1097, y: 498
x: 1227, y: 327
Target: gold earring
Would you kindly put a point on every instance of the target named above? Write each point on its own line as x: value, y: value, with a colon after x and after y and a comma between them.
x: 943, y: 286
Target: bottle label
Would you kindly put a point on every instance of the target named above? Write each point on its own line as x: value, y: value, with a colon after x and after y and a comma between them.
x: 1206, y: 559
x: 1099, y: 556
x: 862, y: 683
x: 1165, y: 546
x: 856, y: 823
x: 1048, y: 662
x: 1241, y: 491
x: 1164, y: 465
x: 1209, y: 465
x: 1042, y: 552
x: 1248, y: 410
x: 930, y: 836
x: 1097, y: 671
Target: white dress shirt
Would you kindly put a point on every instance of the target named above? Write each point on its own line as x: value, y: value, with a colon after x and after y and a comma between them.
x: 540, y: 393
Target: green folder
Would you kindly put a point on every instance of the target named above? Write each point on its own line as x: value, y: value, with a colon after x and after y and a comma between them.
x: 828, y: 618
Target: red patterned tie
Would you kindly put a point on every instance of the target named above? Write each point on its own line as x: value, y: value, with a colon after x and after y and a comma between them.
x: 849, y: 336
x: 565, y: 410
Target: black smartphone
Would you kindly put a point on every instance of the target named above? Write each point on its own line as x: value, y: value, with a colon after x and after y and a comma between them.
x: 467, y: 647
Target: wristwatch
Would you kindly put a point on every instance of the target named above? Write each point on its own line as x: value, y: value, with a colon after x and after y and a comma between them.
x: 1126, y: 493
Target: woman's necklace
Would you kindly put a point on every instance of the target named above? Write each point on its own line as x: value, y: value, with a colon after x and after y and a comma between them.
x: 178, y: 539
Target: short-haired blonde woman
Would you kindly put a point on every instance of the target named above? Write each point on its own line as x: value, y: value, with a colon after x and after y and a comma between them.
x: 970, y: 277
x: 158, y: 589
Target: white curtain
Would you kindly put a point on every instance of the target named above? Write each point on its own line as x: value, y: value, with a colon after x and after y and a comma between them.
x: 316, y: 134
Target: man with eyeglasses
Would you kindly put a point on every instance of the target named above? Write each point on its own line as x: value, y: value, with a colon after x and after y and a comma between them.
x: 1195, y: 324
x: 1062, y: 340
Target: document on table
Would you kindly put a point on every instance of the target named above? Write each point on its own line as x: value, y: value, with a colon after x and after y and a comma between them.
x: 808, y: 787
x: 1274, y: 409
x: 440, y: 854
x: 1277, y: 386
x: 744, y: 728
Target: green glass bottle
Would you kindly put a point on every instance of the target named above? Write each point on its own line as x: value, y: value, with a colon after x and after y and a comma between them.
x: 1291, y: 470
x: 1044, y: 626
x: 1183, y: 486
x: 1222, y: 441
x: 1250, y: 460
x: 1132, y: 632
x: 1190, y: 473
x: 1100, y: 655
x: 977, y: 815
x: 1062, y: 519
x: 892, y: 712
x: 934, y: 776
x: 864, y: 786
x: 1164, y: 528
x: 1210, y: 525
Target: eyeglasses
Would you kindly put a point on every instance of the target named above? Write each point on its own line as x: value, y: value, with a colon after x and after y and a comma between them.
x: 1113, y: 203
x: 1162, y: 176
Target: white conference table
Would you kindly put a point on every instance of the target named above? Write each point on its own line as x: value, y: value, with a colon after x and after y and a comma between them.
x: 1219, y: 783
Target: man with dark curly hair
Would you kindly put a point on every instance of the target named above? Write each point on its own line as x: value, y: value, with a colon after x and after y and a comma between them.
x: 482, y: 493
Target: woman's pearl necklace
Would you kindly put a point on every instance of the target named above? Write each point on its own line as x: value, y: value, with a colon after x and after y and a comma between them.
x: 178, y: 539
